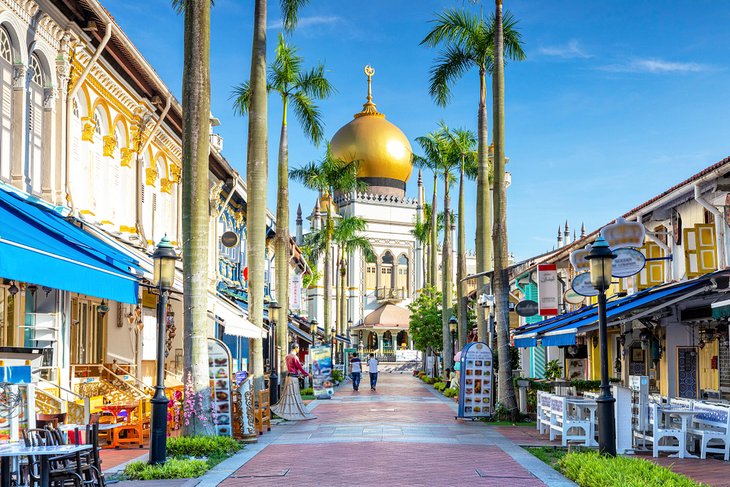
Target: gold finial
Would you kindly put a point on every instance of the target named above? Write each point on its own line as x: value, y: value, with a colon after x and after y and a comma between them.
x: 369, y: 107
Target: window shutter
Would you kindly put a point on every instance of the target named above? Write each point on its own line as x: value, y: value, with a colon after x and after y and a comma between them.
x: 653, y: 273
x: 691, y: 264
x: 706, y: 248
x: 6, y: 120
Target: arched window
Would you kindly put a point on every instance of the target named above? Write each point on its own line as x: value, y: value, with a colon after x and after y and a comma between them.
x: 124, y: 178
x: 35, y: 126
x: 402, y: 275
x: 371, y: 274
x: 386, y: 271
x: 6, y: 96
x: 100, y: 173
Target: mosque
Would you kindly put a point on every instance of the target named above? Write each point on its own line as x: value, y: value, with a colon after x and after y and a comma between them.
x: 378, y: 289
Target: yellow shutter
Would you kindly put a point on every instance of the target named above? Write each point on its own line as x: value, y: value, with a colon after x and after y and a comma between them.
x: 706, y: 248
x: 653, y: 274
x: 691, y: 264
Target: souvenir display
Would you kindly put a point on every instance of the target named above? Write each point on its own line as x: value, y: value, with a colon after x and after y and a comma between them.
x: 475, y: 388
x: 219, y: 369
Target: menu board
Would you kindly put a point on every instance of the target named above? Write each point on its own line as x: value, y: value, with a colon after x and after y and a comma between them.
x: 322, y: 372
x: 475, y: 381
x: 219, y: 369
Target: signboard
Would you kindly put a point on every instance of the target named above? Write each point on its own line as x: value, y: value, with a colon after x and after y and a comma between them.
x: 582, y: 285
x: 572, y: 297
x: 475, y: 381
x: 295, y: 292
x: 578, y: 259
x: 219, y: 370
x: 526, y: 308
x: 229, y: 239
x: 548, y: 290
x: 623, y: 233
x: 321, y: 359
x: 627, y: 262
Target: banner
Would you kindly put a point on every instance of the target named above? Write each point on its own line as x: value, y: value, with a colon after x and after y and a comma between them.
x: 548, y: 290
x: 475, y: 381
x: 322, y: 372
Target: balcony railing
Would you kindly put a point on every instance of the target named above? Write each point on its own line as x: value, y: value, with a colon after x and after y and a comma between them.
x: 390, y: 294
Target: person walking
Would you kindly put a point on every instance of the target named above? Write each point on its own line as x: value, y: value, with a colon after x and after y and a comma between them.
x: 355, y: 371
x: 373, y: 369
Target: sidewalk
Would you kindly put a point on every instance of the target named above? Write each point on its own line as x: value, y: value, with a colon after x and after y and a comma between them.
x: 402, y: 435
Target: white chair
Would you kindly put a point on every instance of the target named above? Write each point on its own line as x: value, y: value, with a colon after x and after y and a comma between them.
x: 660, y: 430
x: 562, y: 422
x: 712, y: 424
x: 543, y: 412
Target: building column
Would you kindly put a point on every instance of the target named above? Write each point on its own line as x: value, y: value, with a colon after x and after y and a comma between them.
x: 380, y: 342
x: 48, y: 166
x: 18, y: 153
x: 63, y: 68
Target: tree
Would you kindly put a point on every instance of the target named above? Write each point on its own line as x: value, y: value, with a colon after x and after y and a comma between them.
x: 425, y: 323
x: 300, y: 89
x: 463, y: 143
x: 257, y: 173
x: 195, y: 209
x: 468, y: 41
x: 326, y: 177
x: 506, y: 387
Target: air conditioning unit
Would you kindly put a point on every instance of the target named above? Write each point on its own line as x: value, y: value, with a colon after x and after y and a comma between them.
x: 216, y: 142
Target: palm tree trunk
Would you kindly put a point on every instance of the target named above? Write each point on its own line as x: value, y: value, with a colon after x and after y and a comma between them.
x: 328, y: 274
x: 484, y: 207
x: 446, y: 265
x: 256, y: 176
x: 501, y: 279
x: 281, y: 249
x: 427, y: 281
x: 343, y: 299
x: 195, y: 206
x: 461, y: 265
x: 434, y: 234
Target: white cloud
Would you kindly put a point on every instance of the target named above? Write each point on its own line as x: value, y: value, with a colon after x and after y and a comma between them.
x: 569, y: 51
x: 304, y: 22
x: 655, y: 66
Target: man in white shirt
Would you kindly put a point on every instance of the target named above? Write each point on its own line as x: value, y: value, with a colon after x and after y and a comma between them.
x: 355, y: 370
x: 373, y: 369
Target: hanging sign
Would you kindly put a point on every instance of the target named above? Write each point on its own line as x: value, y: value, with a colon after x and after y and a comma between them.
x: 321, y: 359
x: 475, y: 381
x: 547, y: 289
x: 572, y: 297
x: 627, y: 262
x: 526, y: 308
x: 229, y: 239
x: 578, y: 259
x: 623, y: 233
x: 582, y: 285
x: 219, y: 369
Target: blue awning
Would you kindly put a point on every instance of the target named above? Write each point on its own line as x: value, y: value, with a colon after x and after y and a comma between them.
x: 562, y: 332
x: 39, y: 246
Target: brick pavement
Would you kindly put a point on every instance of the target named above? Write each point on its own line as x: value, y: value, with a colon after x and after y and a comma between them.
x: 403, y: 435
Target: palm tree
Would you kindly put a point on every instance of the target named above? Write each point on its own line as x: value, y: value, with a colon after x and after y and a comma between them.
x: 326, y: 177
x: 301, y: 89
x: 422, y: 232
x: 468, y: 41
x: 257, y: 172
x: 501, y: 279
x: 463, y: 143
x: 195, y: 211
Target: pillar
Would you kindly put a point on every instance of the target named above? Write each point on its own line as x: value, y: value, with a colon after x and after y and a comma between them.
x: 48, y: 167
x: 17, y: 178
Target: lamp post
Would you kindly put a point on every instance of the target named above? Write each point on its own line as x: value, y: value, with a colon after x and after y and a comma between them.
x: 274, y: 308
x: 453, y: 327
x: 332, y: 352
x: 601, y: 260
x: 313, y: 329
x: 164, y: 258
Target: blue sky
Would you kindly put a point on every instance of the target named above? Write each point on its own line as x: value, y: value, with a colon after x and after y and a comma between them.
x: 616, y: 102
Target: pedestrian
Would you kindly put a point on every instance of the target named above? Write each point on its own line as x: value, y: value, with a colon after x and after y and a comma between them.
x: 373, y: 369
x: 355, y: 371
x: 290, y: 406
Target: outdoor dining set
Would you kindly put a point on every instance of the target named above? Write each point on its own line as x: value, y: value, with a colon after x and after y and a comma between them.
x: 674, y: 425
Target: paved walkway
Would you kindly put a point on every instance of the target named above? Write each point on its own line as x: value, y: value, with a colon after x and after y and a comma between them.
x: 402, y: 435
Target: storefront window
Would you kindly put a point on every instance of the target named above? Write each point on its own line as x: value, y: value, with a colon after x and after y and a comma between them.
x: 87, y: 333
x: 7, y: 318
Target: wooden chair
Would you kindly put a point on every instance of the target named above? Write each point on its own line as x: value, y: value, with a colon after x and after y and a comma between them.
x: 132, y: 432
x: 262, y: 412
x: 53, y: 420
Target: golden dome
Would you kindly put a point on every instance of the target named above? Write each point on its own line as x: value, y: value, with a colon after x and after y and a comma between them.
x: 382, y: 149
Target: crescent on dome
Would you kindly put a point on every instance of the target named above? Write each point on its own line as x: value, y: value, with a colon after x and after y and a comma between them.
x: 369, y: 71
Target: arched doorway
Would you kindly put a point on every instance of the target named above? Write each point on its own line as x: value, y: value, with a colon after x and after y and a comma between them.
x: 401, y: 340
x: 372, y: 341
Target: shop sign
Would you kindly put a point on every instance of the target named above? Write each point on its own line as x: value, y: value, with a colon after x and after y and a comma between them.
x: 229, y: 239
x: 572, y: 297
x: 219, y: 370
x: 547, y: 289
x: 578, y: 259
x: 627, y: 263
x: 321, y: 359
x: 582, y: 285
x: 476, y: 379
x: 623, y: 233
x: 526, y: 308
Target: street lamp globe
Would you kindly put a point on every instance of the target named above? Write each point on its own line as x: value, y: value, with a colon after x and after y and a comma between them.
x: 453, y: 324
x: 164, y: 258
x: 274, y: 308
x: 601, y: 260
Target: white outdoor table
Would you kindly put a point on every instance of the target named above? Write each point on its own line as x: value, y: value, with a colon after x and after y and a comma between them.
x: 685, y: 415
x: 591, y: 406
x: 14, y: 450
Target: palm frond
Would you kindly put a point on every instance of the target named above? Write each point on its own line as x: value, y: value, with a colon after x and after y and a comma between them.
x: 314, y: 83
x: 308, y: 115
x: 290, y: 11
x: 450, y: 66
x: 179, y: 5
x: 241, y: 96
x: 455, y: 26
x: 310, y: 176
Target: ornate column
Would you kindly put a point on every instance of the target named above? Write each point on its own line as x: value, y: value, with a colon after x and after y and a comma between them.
x: 48, y: 166
x: 63, y: 69
x: 17, y: 178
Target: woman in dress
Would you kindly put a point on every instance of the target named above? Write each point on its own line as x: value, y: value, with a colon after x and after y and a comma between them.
x: 290, y: 406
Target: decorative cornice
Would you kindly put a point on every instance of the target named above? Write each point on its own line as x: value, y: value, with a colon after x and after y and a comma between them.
x: 150, y: 176
x: 127, y: 155
x: 166, y: 185
x: 175, y: 172
x: 110, y: 144
x: 45, y: 28
x: 87, y: 130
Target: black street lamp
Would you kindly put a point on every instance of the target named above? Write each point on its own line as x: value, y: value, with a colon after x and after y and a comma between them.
x: 164, y: 258
x: 274, y: 308
x: 332, y: 350
x: 601, y: 260
x: 313, y: 327
x: 453, y: 327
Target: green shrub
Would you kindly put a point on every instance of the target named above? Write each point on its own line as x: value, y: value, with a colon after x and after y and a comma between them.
x: 201, y: 446
x: 440, y: 386
x: 173, y: 468
x: 307, y: 391
x: 430, y: 380
x: 591, y: 469
x: 338, y: 375
x: 585, y: 385
x: 451, y: 392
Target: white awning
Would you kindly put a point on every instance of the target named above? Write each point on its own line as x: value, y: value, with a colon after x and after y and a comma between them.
x: 234, y: 319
